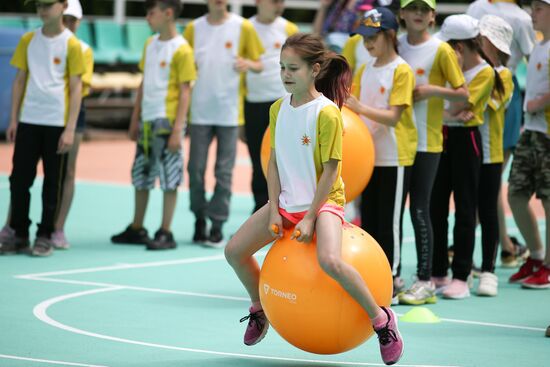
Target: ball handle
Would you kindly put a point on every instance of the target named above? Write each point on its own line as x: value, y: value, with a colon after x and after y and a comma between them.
x: 275, y: 229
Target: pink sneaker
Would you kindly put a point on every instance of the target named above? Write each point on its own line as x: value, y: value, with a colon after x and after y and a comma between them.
x: 257, y: 326
x: 458, y: 289
x: 391, y: 343
x: 441, y: 283
x: 7, y: 233
x: 59, y: 240
x: 539, y: 280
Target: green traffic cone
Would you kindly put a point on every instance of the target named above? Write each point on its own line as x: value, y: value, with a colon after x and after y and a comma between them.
x: 421, y: 315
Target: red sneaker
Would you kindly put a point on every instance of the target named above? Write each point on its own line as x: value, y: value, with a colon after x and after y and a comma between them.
x: 539, y: 280
x: 529, y: 268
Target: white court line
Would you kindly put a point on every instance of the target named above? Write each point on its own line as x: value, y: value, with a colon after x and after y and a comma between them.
x: 49, y: 361
x: 244, y: 299
x: 41, y: 312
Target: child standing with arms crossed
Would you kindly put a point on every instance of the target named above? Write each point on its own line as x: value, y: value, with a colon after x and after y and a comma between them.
x: 460, y: 162
x: 264, y: 88
x: 496, y: 37
x: 46, y: 97
x: 306, y: 144
x: 226, y: 46
x: 162, y: 103
x: 531, y: 165
x: 434, y: 64
x: 383, y: 91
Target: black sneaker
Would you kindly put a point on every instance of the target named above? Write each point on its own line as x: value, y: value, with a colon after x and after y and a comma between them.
x: 15, y: 245
x: 215, y: 239
x: 200, y: 235
x: 131, y: 236
x: 163, y: 240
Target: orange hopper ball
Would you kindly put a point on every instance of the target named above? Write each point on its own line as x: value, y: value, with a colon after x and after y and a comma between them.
x: 357, y: 151
x: 311, y: 310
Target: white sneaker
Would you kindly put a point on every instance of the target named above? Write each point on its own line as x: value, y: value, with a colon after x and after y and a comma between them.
x: 488, y: 284
x: 421, y: 292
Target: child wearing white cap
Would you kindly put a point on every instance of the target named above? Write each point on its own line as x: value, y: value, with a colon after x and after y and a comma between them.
x: 523, y: 41
x: 460, y: 162
x: 71, y: 18
x: 496, y: 37
x: 530, y: 172
x: 382, y: 97
x: 435, y: 65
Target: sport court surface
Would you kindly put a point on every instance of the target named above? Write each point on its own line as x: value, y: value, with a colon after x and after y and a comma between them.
x: 104, y: 305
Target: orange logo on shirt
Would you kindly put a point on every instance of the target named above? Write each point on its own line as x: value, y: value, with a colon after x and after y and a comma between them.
x: 228, y: 44
x: 420, y: 71
x: 539, y: 66
x: 56, y: 60
x: 277, y: 45
x: 306, y: 140
x: 382, y: 90
x: 163, y: 64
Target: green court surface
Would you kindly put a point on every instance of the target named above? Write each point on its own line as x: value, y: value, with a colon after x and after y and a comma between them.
x: 99, y: 304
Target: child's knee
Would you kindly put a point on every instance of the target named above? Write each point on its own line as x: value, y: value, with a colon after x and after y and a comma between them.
x: 331, y: 264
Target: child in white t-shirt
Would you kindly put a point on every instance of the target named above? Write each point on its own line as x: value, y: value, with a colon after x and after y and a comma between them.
x: 42, y: 122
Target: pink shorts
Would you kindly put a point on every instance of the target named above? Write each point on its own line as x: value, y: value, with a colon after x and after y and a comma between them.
x: 294, y: 218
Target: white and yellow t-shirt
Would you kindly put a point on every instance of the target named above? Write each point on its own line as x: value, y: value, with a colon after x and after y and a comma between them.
x: 165, y: 66
x: 538, y: 84
x: 267, y: 85
x: 218, y: 94
x: 382, y: 87
x: 355, y: 52
x: 480, y: 80
x: 49, y: 62
x: 492, y: 131
x: 88, y: 55
x: 433, y: 62
x: 304, y: 138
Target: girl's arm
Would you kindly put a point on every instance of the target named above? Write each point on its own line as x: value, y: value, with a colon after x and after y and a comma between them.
x: 538, y: 104
x: 389, y: 117
x: 17, y: 91
x: 426, y: 91
x: 274, y: 190
x: 75, y: 100
x: 307, y: 225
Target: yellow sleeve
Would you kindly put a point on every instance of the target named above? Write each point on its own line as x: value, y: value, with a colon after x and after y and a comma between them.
x: 349, y: 50
x: 403, y: 85
x: 141, y: 64
x: 189, y: 33
x: 185, y: 64
x: 273, y: 113
x: 356, y: 84
x: 291, y: 28
x: 19, y: 58
x: 331, y: 133
x: 88, y: 71
x: 481, y: 86
x: 448, y: 63
x: 75, y: 59
x: 250, y: 46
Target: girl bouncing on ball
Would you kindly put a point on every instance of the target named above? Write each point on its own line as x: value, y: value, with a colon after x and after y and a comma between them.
x: 305, y: 187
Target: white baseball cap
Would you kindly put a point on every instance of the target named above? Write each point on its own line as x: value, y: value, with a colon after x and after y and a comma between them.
x: 74, y: 8
x: 458, y: 27
x: 498, y: 31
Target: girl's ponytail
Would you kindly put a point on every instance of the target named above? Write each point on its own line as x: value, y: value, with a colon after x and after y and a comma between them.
x: 334, y: 80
